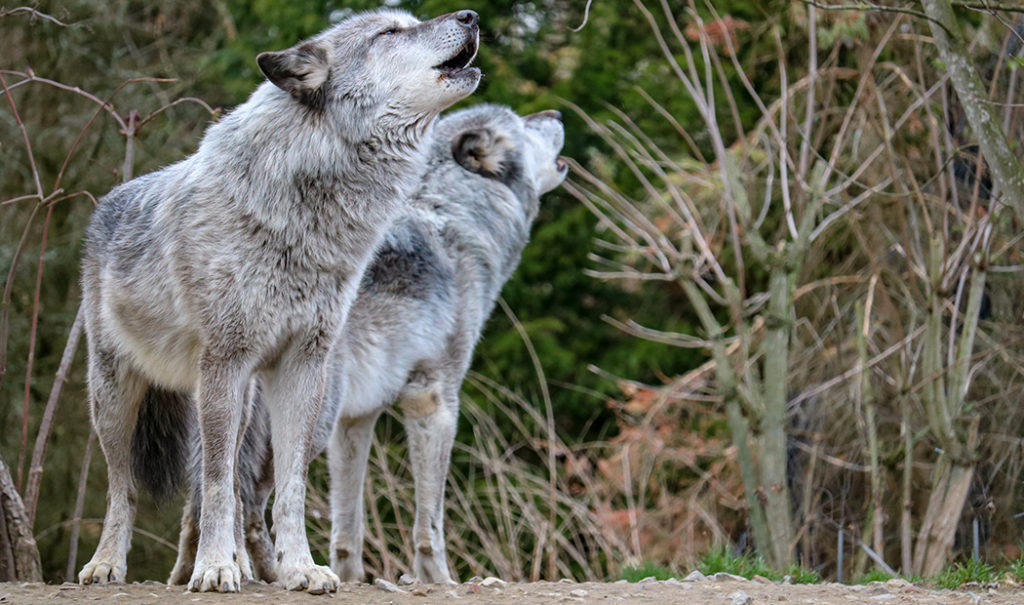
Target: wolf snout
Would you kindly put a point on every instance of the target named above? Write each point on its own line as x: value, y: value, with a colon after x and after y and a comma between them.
x: 467, y: 18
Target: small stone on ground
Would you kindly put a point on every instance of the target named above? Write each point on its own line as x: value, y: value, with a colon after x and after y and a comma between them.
x: 386, y: 586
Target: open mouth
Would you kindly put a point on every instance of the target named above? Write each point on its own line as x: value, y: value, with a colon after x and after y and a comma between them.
x: 561, y: 165
x: 461, y: 59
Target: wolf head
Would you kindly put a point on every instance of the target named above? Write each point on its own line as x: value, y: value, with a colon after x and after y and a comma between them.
x: 488, y: 169
x: 496, y: 143
x: 385, y: 62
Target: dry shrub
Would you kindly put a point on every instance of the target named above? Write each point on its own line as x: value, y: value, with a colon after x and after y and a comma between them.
x: 849, y: 261
x: 670, y: 486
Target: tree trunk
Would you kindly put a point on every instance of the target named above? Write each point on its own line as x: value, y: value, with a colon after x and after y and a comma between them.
x: 20, y: 557
x: 1003, y: 164
x: 773, y: 425
x: 725, y: 380
x: 935, y: 541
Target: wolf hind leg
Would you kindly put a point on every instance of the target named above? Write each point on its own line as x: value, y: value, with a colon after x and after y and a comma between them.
x: 430, y: 417
x: 188, y: 539
x: 115, y: 392
x: 347, y: 455
x: 188, y: 543
x: 256, y: 472
x: 257, y: 536
x: 243, y: 483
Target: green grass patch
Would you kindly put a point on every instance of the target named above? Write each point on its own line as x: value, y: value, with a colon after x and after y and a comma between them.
x: 974, y: 570
x: 875, y: 575
x: 801, y: 575
x: 749, y: 565
x: 1016, y: 570
x: 721, y: 560
x: 646, y: 570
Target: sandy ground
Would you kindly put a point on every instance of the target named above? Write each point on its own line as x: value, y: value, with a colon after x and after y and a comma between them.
x: 710, y: 591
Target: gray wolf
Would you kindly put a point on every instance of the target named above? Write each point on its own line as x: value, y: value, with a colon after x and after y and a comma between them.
x: 243, y: 260
x: 411, y: 333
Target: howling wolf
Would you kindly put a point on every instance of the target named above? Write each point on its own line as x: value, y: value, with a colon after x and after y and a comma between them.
x: 410, y: 337
x: 243, y: 260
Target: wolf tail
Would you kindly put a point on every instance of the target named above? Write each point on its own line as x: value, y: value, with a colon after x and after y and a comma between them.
x: 161, y: 444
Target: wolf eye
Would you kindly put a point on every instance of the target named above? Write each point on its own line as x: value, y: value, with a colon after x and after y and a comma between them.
x: 388, y: 32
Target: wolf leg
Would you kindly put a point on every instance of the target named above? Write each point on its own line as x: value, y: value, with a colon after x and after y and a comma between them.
x: 244, y: 562
x: 188, y: 541
x: 346, y: 459
x: 222, y: 387
x: 257, y: 537
x: 258, y: 481
x: 430, y: 419
x: 294, y: 393
x: 115, y: 391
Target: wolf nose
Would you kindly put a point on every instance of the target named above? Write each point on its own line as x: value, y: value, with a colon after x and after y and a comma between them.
x: 467, y: 17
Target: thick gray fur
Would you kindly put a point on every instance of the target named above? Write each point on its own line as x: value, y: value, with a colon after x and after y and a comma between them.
x: 242, y: 260
x: 411, y: 333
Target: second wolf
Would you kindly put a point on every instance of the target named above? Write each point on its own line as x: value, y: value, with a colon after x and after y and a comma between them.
x: 420, y: 310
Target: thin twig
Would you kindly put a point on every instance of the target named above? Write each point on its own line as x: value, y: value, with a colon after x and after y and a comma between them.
x: 5, y: 300
x: 586, y: 16
x: 30, y: 363
x: 76, y: 519
x: 213, y: 111
x: 129, y: 129
x: 24, y: 136
x: 828, y: 384
x: 669, y: 338
x: 35, y: 14
x: 20, y: 198
x: 990, y: 7
x: 875, y: 8
x: 35, y: 472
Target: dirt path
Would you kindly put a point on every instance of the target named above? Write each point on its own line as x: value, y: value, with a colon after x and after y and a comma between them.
x: 710, y: 592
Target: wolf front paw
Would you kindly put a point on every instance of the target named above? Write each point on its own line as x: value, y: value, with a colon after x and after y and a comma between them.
x: 181, y: 573
x: 245, y: 565
x: 348, y: 568
x: 314, y: 579
x: 102, y: 572
x: 431, y: 567
x: 224, y: 577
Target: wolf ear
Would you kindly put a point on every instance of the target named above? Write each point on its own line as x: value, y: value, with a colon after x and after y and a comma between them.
x: 484, y: 152
x: 300, y: 71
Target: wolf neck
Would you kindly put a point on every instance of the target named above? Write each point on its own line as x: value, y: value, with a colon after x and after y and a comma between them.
x: 328, y: 166
x: 491, y: 231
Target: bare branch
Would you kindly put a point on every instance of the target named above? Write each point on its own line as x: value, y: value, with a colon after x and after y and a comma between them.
x: 874, y: 8
x: 35, y: 472
x: 586, y: 16
x: 33, y: 13
x: 213, y: 111
x: 669, y: 338
x: 989, y: 6
x: 828, y: 384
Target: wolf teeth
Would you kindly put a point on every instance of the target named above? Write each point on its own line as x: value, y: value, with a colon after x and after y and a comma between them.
x: 461, y: 59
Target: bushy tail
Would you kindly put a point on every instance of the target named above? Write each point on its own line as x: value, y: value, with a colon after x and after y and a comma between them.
x: 161, y: 444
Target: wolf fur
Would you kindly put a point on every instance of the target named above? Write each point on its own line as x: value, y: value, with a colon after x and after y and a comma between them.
x: 411, y: 333
x: 243, y: 260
